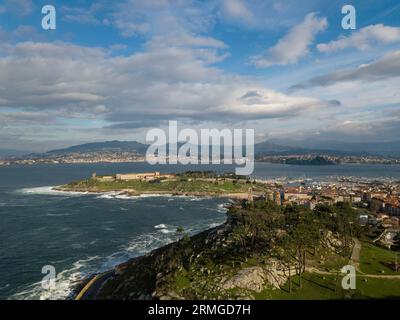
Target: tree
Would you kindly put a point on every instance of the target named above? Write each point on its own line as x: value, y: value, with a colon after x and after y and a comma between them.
x: 303, y: 232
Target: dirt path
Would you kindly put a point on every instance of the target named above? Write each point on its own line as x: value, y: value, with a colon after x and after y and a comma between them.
x: 366, y: 275
x: 355, y: 255
x: 355, y: 261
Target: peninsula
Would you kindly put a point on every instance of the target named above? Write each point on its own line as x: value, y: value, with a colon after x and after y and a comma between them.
x: 279, y: 242
x: 190, y: 183
x: 263, y: 251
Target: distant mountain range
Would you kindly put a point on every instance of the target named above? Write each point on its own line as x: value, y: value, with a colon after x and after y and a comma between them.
x: 391, y: 148
x: 136, y: 147
x: 117, y: 146
x: 6, y: 153
x: 334, y: 148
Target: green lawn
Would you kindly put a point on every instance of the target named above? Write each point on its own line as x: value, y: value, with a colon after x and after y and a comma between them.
x: 315, y: 287
x: 377, y: 288
x: 171, y: 186
x: 331, y: 262
x: 374, y: 259
x: 320, y: 287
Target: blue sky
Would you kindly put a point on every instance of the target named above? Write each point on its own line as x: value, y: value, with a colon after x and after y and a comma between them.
x: 114, y: 69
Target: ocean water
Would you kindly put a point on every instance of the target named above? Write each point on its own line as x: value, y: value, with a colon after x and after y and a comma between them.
x: 83, y: 233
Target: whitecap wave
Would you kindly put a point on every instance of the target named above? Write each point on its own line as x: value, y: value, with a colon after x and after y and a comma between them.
x: 222, y: 208
x: 125, y: 197
x: 157, y: 195
x: 198, y: 199
x: 139, y: 245
x: 160, y: 226
x: 166, y: 231
x: 59, y: 214
x: 121, y: 195
x: 49, y: 190
x: 163, y: 228
x: 108, y: 195
x: 147, y: 242
x: 63, y: 286
x: 214, y: 225
x: 67, y: 279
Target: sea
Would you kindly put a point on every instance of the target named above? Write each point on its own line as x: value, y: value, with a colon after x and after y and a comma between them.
x: 78, y: 234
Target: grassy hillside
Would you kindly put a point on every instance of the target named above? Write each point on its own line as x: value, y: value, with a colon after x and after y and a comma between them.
x: 181, y: 184
x: 264, y: 251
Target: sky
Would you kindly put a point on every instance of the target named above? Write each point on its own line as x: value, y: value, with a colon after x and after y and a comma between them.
x: 112, y: 70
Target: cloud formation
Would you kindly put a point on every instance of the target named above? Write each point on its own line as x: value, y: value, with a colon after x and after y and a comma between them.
x: 364, y: 38
x: 386, y: 67
x: 21, y: 8
x: 294, y: 45
x: 237, y: 10
x: 186, y: 60
x: 174, y: 83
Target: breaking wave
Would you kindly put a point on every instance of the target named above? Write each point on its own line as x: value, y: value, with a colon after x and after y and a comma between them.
x: 65, y: 282
x: 49, y: 190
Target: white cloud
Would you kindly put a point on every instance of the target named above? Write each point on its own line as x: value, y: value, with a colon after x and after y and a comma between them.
x: 160, y: 17
x: 80, y: 15
x: 19, y: 7
x: 364, y: 38
x: 154, y: 84
x: 237, y: 9
x: 383, y: 68
x: 294, y: 45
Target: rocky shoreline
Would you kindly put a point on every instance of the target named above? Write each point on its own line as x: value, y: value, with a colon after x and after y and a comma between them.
x: 153, y: 276
x: 141, y: 276
x: 135, y: 193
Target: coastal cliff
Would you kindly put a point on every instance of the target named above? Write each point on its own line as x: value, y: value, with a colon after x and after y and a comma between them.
x: 255, y: 253
x: 204, y: 266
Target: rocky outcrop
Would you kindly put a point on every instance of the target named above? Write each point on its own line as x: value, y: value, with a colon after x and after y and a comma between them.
x: 154, y: 275
x: 257, y: 279
x: 331, y: 241
x: 277, y: 274
x: 249, y: 279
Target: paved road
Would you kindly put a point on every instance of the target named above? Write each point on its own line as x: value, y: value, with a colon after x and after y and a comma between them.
x: 90, y: 291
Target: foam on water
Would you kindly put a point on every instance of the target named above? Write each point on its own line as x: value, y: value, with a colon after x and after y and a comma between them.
x: 222, y: 208
x: 59, y: 214
x: 68, y: 278
x: 65, y: 281
x: 123, y: 196
x: 49, y: 190
x: 138, y: 245
x: 213, y: 225
x: 166, y: 231
x: 157, y: 195
x: 160, y: 226
x: 108, y: 195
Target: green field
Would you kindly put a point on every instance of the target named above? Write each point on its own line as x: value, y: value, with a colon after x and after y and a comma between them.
x: 377, y: 260
x: 178, y: 185
x: 322, y: 287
